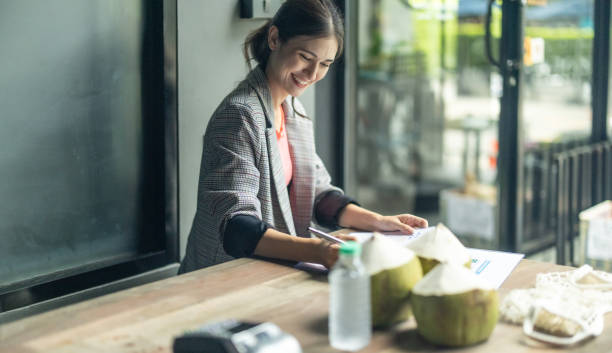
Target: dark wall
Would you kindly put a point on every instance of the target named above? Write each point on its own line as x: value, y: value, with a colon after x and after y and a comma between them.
x: 78, y: 161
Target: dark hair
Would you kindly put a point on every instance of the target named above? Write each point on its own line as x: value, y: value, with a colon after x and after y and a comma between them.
x: 317, y: 18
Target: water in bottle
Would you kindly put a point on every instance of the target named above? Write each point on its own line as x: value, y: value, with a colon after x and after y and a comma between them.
x: 349, y: 301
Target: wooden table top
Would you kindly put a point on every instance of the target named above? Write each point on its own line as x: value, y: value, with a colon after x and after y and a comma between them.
x: 146, y: 318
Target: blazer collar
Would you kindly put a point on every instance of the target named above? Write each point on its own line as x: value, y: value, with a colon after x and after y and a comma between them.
x: 258, y: 80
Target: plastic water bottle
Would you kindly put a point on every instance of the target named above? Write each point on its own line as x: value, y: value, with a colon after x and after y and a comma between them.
x: 350, y: 325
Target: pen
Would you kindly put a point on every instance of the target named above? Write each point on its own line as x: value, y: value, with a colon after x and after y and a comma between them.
x: 325, y: 236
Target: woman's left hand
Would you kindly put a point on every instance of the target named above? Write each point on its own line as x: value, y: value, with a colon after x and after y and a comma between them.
x: 403, y: 223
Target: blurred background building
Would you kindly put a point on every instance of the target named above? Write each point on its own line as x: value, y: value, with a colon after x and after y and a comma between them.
x: 430, y: 114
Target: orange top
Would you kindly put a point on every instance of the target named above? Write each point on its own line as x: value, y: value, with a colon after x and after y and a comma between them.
x: 283, y: 144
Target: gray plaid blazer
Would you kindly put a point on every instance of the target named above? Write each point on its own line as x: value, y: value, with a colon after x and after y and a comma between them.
x: 242, y: 172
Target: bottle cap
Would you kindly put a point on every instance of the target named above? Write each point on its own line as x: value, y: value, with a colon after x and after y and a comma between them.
x: 350, y: 248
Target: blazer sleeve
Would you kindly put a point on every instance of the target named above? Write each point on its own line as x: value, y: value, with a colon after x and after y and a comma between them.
x: 329, y: 200
x: 230, y: 176
x: 325, y: 210
x: 322, y: 178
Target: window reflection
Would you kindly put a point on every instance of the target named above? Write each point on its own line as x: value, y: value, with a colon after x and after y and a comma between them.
x: 428, y: 107
x: 556, y: 95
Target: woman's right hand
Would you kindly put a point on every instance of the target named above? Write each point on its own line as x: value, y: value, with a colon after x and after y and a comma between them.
x: 328, y: 252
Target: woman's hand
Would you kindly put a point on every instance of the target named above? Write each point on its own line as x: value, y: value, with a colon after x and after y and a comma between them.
x: 353, y: 216
x: 328, y: 252
x: 279, y: 245
x: 403, y: 223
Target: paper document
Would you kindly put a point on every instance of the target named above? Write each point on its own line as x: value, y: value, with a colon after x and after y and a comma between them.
x: 493, y: 266
x: 400, y: 238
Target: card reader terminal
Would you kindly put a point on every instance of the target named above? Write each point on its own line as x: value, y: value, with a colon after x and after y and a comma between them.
x: 232, y: 336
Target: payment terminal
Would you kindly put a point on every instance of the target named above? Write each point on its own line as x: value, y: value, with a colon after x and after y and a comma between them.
x: 232, y: 336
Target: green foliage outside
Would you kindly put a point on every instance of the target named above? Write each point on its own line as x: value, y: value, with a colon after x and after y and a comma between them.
x: 452, y: 45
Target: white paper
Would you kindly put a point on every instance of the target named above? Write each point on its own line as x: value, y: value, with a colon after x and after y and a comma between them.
x: 400, y: 238
x: 493, y: 266
x: 599, y: 239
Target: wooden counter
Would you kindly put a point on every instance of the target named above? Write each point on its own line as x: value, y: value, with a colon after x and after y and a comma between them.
x: 145, y: 318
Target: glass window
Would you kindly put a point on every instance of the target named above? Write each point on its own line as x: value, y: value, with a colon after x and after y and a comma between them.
x: 556, y: 96
x: 425, y: 134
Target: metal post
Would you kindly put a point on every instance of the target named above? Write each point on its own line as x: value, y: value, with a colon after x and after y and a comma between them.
x: 171, y: 204
x: 510, y: 146
x: 561, y: 208
x: 601, y: 60
x: 349, y: 94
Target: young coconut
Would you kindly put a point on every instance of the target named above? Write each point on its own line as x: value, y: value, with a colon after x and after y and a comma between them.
x: 439, y: 245
x: 454, y: 307
x: 393, y: 270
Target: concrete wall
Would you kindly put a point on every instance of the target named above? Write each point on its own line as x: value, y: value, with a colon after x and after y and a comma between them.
x: 210, y: 64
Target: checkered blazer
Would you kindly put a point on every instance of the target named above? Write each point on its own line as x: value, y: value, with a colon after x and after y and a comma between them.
x: 242, y: 172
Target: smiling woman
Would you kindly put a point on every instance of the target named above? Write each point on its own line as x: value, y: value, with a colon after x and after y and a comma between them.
x: 261, y: 181
x: 301, y: 41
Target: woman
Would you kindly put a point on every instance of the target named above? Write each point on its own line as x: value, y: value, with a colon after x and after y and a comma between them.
x: 261, y: 181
